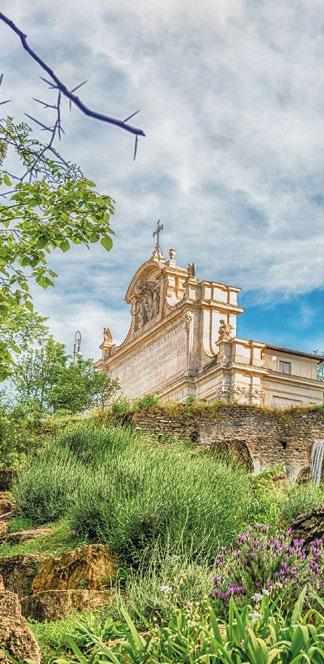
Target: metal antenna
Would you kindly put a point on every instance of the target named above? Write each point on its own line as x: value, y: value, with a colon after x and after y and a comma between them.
x: 77, y: 347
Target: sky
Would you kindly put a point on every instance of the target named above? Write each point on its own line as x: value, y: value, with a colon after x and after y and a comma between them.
x: 230, y: 94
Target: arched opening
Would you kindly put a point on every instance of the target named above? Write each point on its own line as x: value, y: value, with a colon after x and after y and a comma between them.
x: 238, y: 451
x: 303, y: 475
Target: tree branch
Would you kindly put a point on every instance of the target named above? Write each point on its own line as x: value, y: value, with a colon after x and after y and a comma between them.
x: 74, y: 99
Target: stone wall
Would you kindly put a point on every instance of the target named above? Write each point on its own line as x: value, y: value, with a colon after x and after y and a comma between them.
x: 261, y: 438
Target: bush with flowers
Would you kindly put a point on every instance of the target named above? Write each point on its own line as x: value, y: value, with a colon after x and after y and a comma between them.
x: 259, y: 565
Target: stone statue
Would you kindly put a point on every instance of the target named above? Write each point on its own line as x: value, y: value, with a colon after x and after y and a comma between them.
x: 191, y: 269
x: 225, y: 332
x: 147, y: 304
x: 107, y: 336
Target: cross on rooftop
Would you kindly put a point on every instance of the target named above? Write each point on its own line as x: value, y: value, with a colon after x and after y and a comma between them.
x: 159, y: 228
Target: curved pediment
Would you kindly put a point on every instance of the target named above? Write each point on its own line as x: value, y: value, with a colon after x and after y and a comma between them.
x: 149, y: 271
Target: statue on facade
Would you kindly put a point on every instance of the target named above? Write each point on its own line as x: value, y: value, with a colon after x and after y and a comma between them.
x: 107, y: 336
x: 191, y: 269
x: 147, y: 304
x: 225, y: 332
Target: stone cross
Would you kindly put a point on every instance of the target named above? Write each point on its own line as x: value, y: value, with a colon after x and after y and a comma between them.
x: 159, y: 228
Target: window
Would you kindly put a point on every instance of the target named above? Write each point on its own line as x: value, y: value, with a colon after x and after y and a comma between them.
x: 284, y: 367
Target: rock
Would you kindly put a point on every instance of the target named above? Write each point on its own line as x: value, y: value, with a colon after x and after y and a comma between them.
x: 8, y: 476
x: 18, y: 572
x: 26, y: 535
x: 5, y: 506
x: 56, y: 604
x: 309, y: 526
x: 92, y: 566
x: 16, y: 638
x: 4, y: 527
x: 2, y: 588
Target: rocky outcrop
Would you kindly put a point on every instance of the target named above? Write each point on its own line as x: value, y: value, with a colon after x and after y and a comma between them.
x: 92, y: 567
x: 8, y: 476
x: 17, y: 642
x: 309, y: 526
x: 18, y: 572
x: 56, y: 604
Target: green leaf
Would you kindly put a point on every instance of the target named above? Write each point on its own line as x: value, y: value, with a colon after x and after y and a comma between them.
x: 65, y: 245
x: 6, y: 179
x: 296, y: 615
x: 106, y: 242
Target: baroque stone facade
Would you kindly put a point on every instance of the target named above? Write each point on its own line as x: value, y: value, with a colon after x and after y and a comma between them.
x: 182, y: 342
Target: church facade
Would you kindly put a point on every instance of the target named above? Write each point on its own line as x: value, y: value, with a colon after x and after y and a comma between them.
x: 182, y: 342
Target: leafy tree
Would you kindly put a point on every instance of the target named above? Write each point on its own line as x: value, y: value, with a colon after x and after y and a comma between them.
x: 46, y: 378
x: 48, y: 207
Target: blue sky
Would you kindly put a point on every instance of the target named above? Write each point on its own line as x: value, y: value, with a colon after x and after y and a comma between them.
x: 230, y: 99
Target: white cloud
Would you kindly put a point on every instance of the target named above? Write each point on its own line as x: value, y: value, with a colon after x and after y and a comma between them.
x: 230, y: 99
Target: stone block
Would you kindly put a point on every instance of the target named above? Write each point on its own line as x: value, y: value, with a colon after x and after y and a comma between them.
x: 56, y: 604
x: 92, y: 566
x: 18, y: 572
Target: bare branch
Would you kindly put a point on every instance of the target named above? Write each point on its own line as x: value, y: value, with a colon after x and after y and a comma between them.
x: 56, y: 82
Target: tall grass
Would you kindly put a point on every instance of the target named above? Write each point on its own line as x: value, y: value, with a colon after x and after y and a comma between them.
x: 124, y: 490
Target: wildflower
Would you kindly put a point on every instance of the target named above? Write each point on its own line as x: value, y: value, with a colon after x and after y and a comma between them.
x: 265, y: 591
x: 257, y: 597
x: 165, y: 589
x: 255, y: 616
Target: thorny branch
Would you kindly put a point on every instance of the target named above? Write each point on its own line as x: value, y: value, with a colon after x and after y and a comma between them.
x: 57, y: 84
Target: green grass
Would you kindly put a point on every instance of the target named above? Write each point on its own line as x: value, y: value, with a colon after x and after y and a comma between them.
x: 59, y: 540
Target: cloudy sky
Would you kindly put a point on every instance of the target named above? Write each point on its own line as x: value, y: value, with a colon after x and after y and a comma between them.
x: 231, y: 98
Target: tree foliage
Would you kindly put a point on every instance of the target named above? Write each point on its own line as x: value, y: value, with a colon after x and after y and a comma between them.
x: 45, y: 377
x: 50, y: 206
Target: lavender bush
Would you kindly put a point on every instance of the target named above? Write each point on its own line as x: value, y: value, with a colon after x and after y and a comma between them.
x: 259, y: 565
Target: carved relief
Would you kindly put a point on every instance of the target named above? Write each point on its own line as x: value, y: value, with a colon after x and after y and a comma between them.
x: 147, y: 304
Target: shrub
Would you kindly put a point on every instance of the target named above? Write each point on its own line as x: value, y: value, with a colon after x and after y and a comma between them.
x: 130, y: 493
x: 19, y: 435
x: 302, y: 498
x: 148, y: 493
x: 48, y: 485
x: 148, y: 401
x: 267, y: 498
x: 260, y: 565
x: 121, y: 407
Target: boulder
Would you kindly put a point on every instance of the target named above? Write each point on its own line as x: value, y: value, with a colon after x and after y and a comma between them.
x: 17, y: 642
x: 91, y: 566
x: 18, y: 572
x: 8, y: 476
x: 5, y: 506
x: 56, y: 604
x: 309, y: 526
x: 26, y: 535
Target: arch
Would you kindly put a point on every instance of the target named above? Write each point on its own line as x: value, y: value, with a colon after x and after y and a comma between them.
x: 239, y: 451
x: 303, y: 475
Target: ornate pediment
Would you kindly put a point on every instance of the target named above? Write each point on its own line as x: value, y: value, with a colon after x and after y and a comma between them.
x: 147, y: 303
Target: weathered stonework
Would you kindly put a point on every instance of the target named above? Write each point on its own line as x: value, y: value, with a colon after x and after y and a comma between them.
x: 258, y: 437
